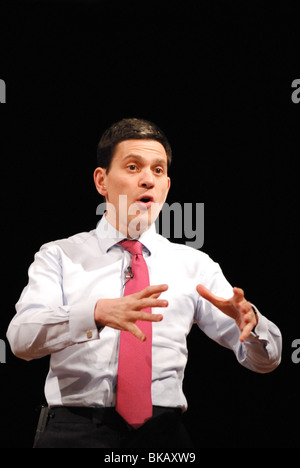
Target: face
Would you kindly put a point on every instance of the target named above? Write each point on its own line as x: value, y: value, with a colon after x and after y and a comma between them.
x: 136, y: 185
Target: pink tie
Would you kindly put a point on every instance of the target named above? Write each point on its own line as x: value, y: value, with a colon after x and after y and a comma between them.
x: 134, y: 401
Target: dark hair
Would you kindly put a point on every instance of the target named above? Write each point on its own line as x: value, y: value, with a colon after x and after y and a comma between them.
x: 129, y: 129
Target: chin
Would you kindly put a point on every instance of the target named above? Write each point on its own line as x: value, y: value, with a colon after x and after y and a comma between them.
x: 138, y: 225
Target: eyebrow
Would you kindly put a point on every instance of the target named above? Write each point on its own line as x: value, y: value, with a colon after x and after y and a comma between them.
x: 140, y: 158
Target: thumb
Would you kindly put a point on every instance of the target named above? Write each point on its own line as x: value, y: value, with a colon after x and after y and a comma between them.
x: 209, y: 296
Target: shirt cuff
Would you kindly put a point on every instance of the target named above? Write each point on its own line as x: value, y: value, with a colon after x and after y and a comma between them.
x: 260, y: 331
x: 82, y: 322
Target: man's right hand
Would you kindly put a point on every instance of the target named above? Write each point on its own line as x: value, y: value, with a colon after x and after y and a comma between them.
x: 123, y: 313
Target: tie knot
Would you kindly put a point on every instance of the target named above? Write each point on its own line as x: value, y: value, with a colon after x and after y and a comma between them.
x: 133, y: 246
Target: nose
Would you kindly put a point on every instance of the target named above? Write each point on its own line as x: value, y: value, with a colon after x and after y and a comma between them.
x: 146, y: 179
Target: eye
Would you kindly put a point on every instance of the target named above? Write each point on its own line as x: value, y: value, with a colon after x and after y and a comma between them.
x: 158, y: 170
x: 132, y: 167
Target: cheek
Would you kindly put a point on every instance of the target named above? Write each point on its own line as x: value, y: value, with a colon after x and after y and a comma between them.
x: 119, y: 193
x: 163, y: 191
x: 117, y: 186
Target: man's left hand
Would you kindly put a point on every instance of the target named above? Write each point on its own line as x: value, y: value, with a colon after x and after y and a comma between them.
x: 237, y: 307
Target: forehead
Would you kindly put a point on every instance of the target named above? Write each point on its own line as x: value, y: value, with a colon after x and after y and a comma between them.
x: 147, y: 149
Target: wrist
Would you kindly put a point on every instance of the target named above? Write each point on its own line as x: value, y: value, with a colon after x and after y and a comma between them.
x: 98, y: 316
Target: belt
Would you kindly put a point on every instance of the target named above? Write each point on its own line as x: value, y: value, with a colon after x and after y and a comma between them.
x: 80, y: 414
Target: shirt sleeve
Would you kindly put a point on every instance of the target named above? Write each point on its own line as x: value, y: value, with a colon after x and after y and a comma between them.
x: 261, y: 351
x: 44, y: 322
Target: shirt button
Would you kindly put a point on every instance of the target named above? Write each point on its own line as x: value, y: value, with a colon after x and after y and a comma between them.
x: 89, y: 334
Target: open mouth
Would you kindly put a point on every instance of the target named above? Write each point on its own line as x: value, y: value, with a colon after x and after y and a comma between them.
x: 145, y: 201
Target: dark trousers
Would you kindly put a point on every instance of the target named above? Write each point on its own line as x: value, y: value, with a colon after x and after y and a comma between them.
x: 78, y: 427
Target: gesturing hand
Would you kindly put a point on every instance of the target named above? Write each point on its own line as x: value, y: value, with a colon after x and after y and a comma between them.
x: 122, y: 313
x: 237, y: 307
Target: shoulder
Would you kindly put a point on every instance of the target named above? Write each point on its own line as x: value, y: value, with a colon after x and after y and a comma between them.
x: 183, y: 253
x: 70, y: 244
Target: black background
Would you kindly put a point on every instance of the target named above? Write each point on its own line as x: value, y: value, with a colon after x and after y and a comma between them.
x: 216, y: 77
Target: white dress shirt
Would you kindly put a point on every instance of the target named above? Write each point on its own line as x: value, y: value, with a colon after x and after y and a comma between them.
x: 55, y: 315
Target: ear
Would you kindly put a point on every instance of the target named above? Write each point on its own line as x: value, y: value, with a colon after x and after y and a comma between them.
x: 99, y: 179
x: 168, y: 186
x: 169, y: 183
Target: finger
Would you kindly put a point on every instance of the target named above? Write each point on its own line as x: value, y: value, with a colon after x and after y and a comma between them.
x: 146, y: 317
x: 152, y: 290
x: 248, y: 317
x: 247, y: 310
x: 249, y: 324
x: 246, y: 332
x: 150, y: 303
x: 238, y: 295
x: 136, y: 331
x: 155, y: 296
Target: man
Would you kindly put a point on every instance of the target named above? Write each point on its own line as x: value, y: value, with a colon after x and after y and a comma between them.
x: 92, y: 300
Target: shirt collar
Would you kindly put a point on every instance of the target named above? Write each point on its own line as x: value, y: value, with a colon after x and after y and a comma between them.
x: 108, y: 236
